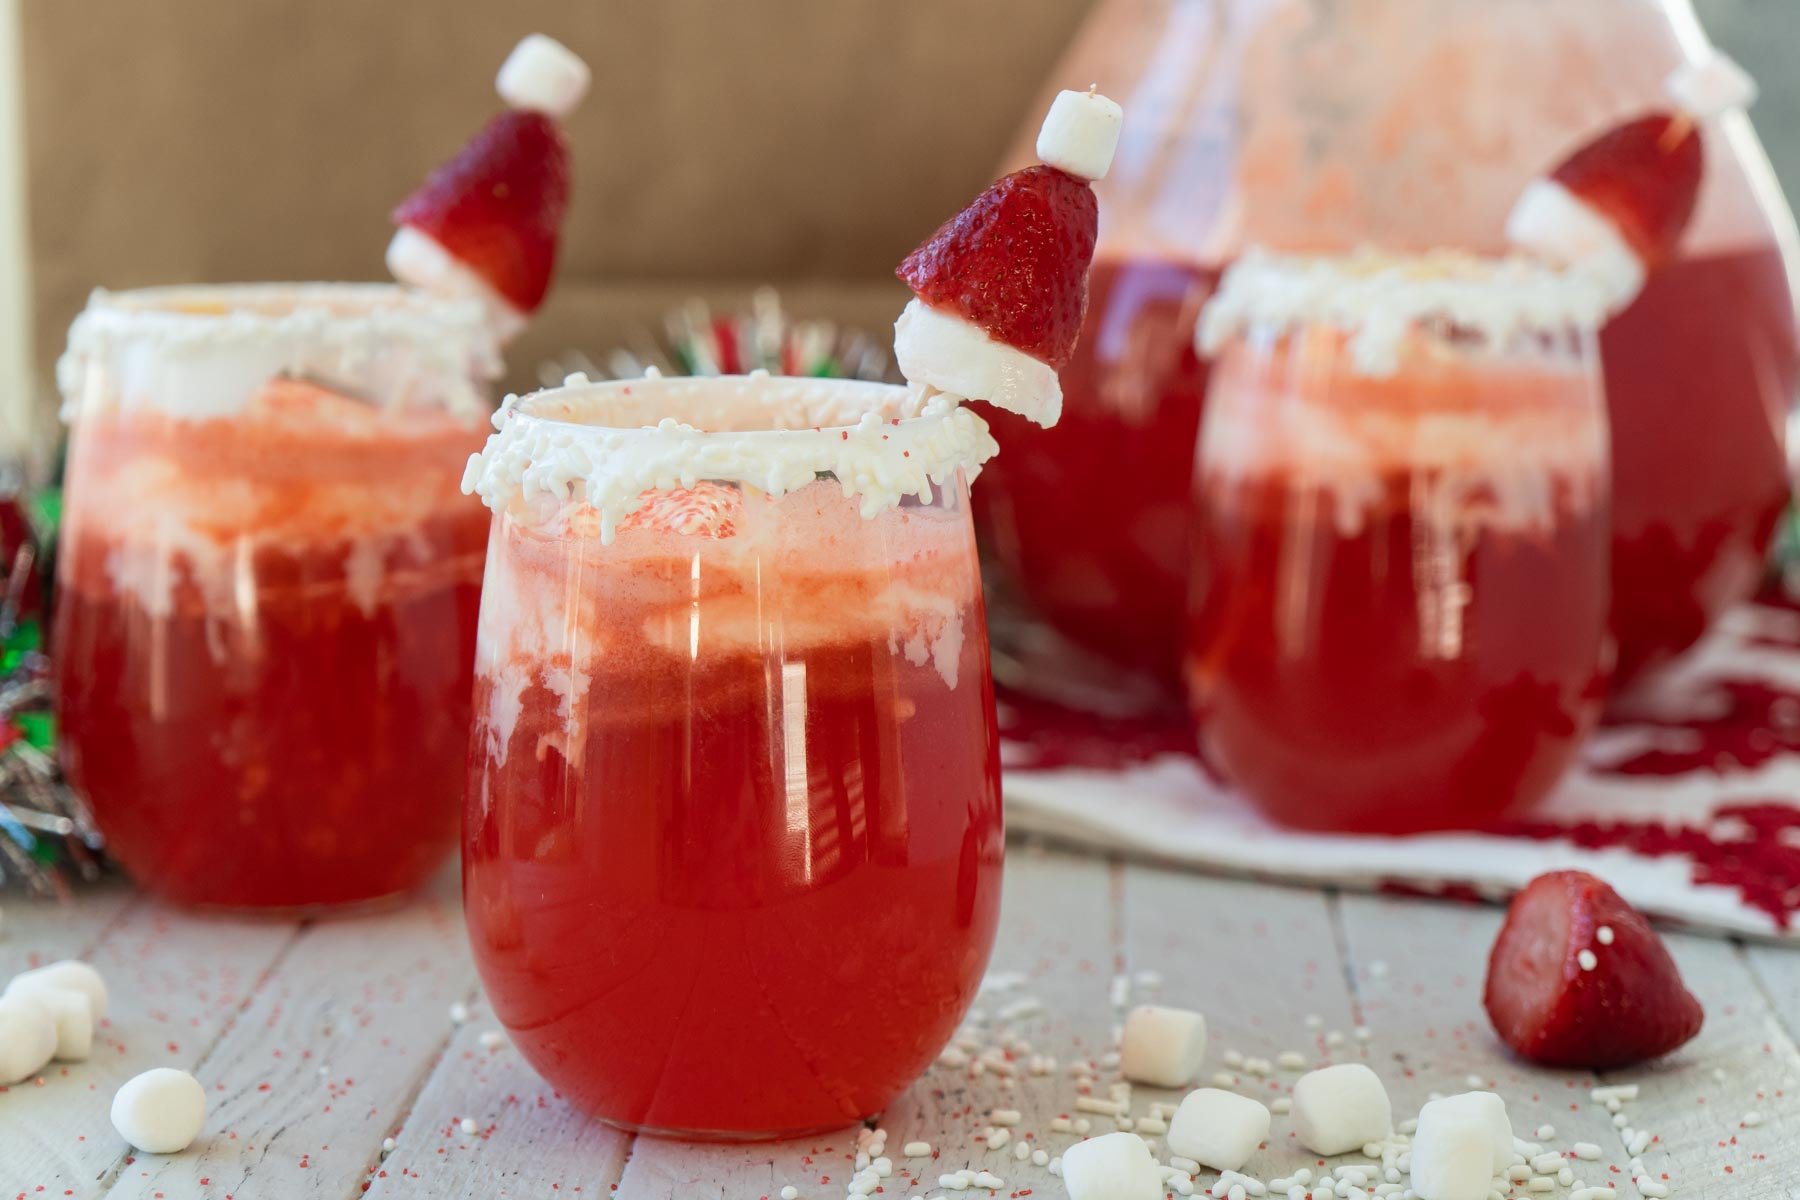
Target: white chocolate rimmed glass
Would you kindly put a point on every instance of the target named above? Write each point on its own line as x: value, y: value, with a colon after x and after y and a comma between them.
x: 1398, y: 619
x: 734, y: 767
x: 268, y: 585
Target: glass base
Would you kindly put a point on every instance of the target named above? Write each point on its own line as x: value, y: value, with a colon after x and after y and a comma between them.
x: 731, y: 1136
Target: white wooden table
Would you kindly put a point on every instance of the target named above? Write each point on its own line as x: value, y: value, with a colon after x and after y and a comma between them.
x: 318, y: 1041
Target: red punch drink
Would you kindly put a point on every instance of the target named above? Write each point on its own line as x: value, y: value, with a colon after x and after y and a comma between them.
x: 1399, y: 621
x: 734, y: 769
x: 268, y: 586
x: 731, y: 856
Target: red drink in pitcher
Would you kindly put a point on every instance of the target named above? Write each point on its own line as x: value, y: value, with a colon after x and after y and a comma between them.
x: 1700, y: 372
x: 268, y: 587
x: 1408, y: 124
x: 1091, y: 515
x: 1399, y: 620
x: 734, y: 770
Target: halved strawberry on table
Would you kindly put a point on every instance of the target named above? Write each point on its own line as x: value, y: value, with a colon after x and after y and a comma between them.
x: 1578, y: 978
x: 1000, y: 290
x: 487, y: 223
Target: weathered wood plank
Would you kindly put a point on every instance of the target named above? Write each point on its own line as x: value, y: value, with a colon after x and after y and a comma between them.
x: 34, y: 932
x: 1777, y: 972
x: 529, y: 1142
x: 176, y: 982
x: 1057, y: 930
x: 324, y: 1060
x: 1743, y: 1064
x: 367, y: 999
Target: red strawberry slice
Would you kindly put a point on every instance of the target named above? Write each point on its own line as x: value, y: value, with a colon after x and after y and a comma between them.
x: 498, y: 205
x: 1644, y: 177
x: 1015, y: 262
x: 1578, y: 978
x: 704, y: 510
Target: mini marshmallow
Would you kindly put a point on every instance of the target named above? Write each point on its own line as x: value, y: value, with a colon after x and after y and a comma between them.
x: 1453, y: 1152
x: 1485, y: 1107
x: 543, y: 75
x: 27, y: 1037
x: 1341, y: 1108
x: 1710, y: 85
x: 1162, y: 1046
x: 1113, y: 1166
x: 1219, y: 1129
x: 68, y: 973
x: 161, y: 1111
x: 73, y: 1014
x: 1080, y: 133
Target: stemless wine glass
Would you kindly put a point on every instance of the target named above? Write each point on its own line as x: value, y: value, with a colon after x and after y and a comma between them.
x: 1398, y: 620
x: 269, y: 584
x: 733, y: 839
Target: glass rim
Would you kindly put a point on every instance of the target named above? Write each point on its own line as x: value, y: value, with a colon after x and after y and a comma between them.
x: 272, y: 307
x: 1380, y: 299
x: 611, y: 442
x: 199, y: 349
x: 892, y: 403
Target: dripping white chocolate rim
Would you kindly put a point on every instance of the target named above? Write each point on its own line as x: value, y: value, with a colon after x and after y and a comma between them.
x: 607, y: 444
x: 207, y: 350
x: 1380, y: 300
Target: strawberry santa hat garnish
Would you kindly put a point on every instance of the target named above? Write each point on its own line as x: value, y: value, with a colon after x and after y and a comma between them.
x: 486, y: 224
x: 1617, y: 207
x: 1000, y: 289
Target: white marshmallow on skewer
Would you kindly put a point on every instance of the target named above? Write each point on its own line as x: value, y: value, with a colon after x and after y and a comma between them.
x: 1080, y: 133
x: 27, y: 1037
x: 1162, y: 1046
x: 1218, y: 1129
x: 161, y: 1111
x: 66, y: 973
x: 1113, y: 1166
x: 1341, y: 1108
x: 543, y: 75
x: 1455, y: 1151
x: 1710, y: 85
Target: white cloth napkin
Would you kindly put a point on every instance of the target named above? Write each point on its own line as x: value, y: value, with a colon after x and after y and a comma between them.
x: 1715, y: 846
